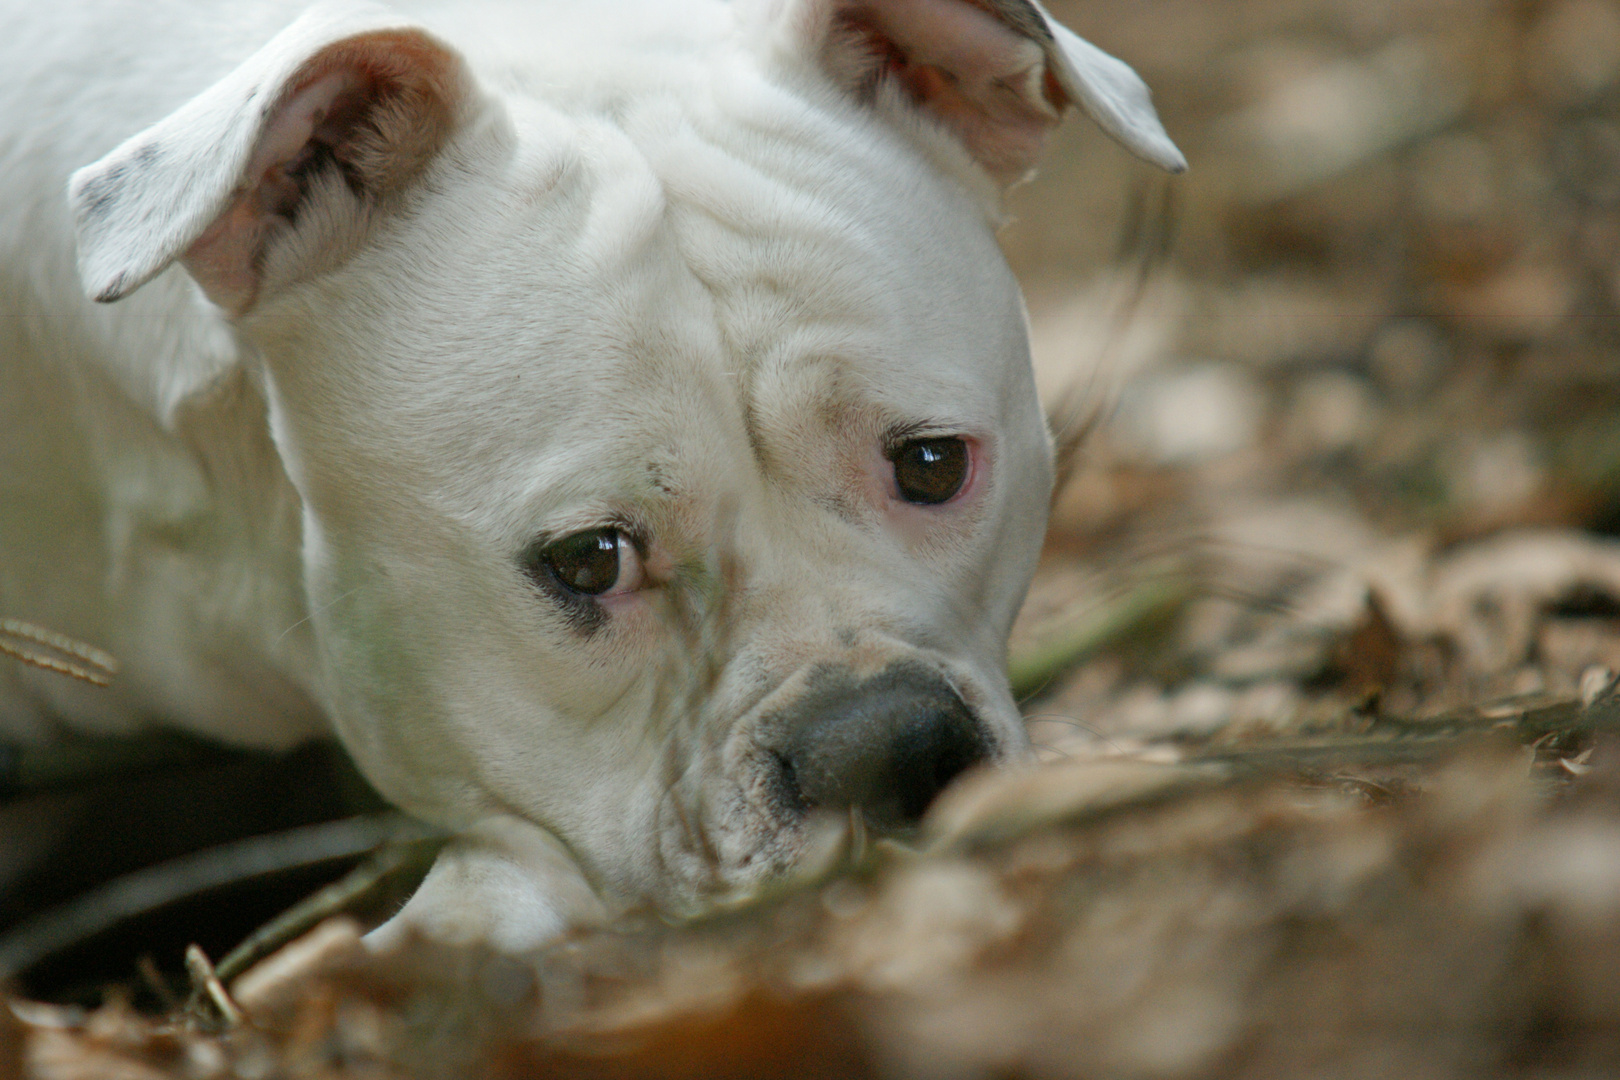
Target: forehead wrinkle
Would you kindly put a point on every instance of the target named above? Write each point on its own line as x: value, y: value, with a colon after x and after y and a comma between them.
x: 765, y: 220
x: 628, y: 202
x: 648, y: 207
x: 770, y: 280
x: 769, y: 202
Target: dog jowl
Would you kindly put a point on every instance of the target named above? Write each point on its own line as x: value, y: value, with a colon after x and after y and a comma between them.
x: 613, y: 422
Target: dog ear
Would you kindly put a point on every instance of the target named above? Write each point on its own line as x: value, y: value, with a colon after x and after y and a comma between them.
x: 300, y: 143
x: 998, y: 73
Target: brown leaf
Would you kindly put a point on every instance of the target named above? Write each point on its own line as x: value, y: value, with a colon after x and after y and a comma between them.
x: 760, y: 1037
x: 1370, y: 655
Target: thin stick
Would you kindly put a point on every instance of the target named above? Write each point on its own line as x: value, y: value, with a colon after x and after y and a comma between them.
x: 157, y: 983
x: 154, y: 887
x: 1033, y: 667
x: 205, y: 985
x: 331, y: 900
x: 88, y: 663
x: 91, y: 655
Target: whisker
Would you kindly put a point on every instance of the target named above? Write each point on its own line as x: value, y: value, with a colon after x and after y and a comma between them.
x: 1057, y: 718
x: 1146, y: 237
x: 1228, y: 544
x: 1078, y: 415
x: 323, y: 608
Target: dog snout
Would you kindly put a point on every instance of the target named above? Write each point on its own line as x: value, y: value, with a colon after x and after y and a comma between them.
x: 887, y: 745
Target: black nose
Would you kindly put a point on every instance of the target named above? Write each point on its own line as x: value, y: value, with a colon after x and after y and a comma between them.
x: 887, y: 745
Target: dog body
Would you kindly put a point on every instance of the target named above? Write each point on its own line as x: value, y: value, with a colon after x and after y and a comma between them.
x: 616, y: 426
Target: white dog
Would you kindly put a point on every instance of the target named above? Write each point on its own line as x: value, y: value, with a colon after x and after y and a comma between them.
x: 613, y: 422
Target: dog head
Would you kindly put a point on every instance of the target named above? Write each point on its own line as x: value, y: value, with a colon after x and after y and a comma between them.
x: 660, y: 407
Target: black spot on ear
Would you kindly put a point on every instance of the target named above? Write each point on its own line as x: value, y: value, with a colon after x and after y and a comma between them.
x: 97, y: 197
x: 1021, y: 17
x: 115, y: 290
x: 95, y: 203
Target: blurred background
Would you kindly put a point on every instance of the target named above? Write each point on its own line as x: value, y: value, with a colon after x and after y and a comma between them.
x: 1365, y: 347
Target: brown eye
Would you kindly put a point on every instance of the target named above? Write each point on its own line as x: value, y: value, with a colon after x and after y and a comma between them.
x: 585, y: 563
x: 930, y: 471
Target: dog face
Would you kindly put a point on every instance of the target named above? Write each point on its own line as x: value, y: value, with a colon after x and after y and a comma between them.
x: 669, y: 455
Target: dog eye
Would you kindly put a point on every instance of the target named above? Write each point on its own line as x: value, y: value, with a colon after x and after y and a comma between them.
x: 930, y: 471
x: 597, y: 562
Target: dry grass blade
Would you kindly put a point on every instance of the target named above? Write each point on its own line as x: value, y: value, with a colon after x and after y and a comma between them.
x: 39, y: 937
x: 1072, y: 640
x: 207, y: 987
x: 1083, y: 407
x: 50, y: 651
x: 401, y: 853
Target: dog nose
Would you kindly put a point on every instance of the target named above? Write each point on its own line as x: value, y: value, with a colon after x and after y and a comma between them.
x: 887, y: 745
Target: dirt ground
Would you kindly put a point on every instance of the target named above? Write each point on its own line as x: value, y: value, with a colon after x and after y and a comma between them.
x: 1321, y: 659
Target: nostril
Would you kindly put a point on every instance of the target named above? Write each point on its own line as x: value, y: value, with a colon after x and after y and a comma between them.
x: 788, y: 779
x: 888, y: 746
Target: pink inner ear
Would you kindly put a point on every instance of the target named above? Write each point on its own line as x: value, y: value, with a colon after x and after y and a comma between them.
x: 224, y: 258
x: 288, y: 133
x: 983, y: 80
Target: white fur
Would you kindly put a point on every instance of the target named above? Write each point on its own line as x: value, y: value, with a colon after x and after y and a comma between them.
x: 659, y: 263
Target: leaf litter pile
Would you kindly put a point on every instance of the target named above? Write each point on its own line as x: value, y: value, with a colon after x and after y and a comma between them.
x: 1320, y: 661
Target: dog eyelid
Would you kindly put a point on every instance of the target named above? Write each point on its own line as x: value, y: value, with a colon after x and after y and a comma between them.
x: 898, y: 435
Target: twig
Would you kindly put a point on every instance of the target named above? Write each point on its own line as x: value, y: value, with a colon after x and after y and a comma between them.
x: 1402, y: 742
x: 1031, y: 669
x: 84, y: 662
x: 205, y: 986
x: 155, y: 981
x: 857, y: 837
x: 331, y: 900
